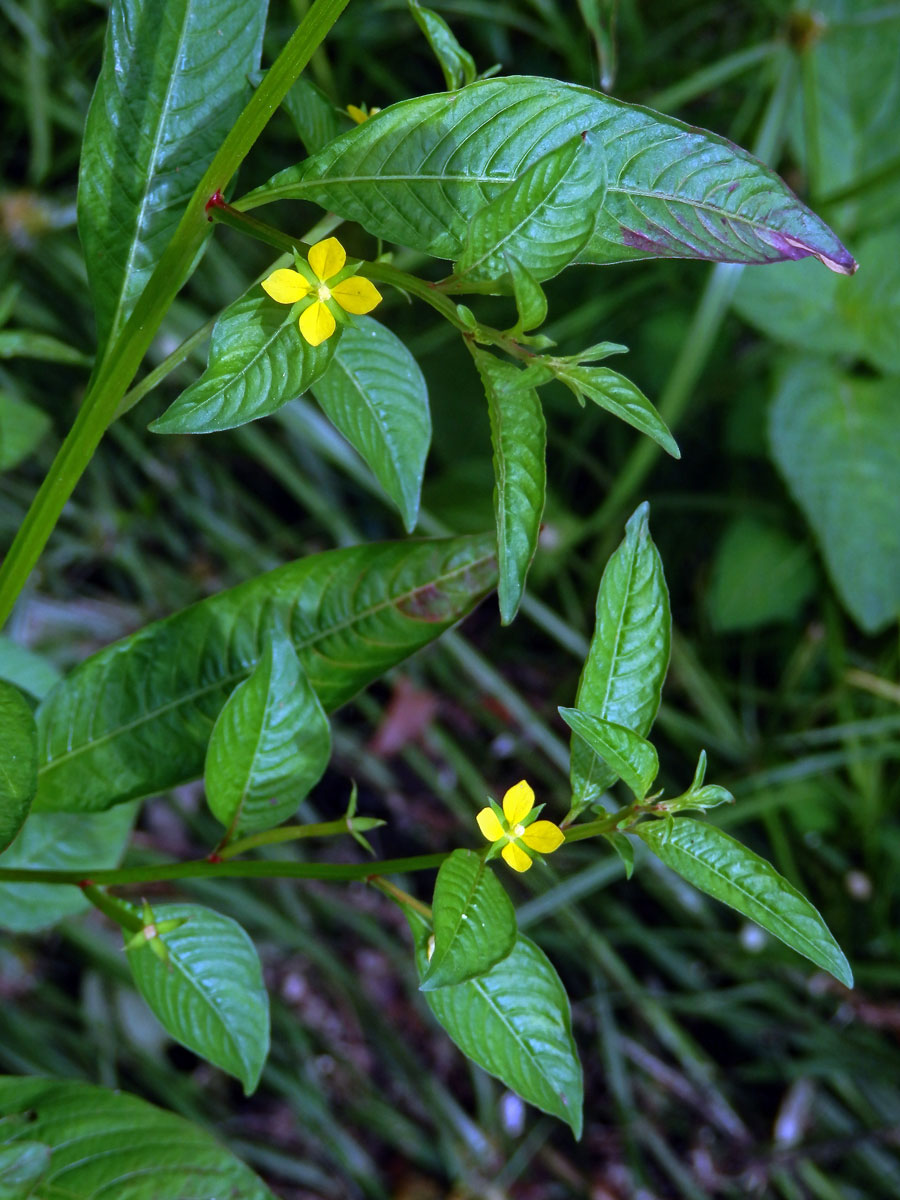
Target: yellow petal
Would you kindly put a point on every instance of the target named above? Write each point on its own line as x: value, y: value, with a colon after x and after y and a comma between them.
x: 518, y: 802
x: 327, y: 258
x: 515, y: 857
x: 489, y: 825
x: 357, y: 114
x: 317, y: 323
x: 286, y: 286
x: 543, y: 836
x: 356, y: 295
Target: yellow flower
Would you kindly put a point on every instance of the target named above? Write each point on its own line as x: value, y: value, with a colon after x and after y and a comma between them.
x: 326, y: 259
x: 360, y: 114
x: 541, y: 836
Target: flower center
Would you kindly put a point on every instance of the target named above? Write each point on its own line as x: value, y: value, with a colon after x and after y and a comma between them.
x: 519, y: 830
x: 324, y: 292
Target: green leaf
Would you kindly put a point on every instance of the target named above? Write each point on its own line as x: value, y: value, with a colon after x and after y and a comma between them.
x: 22, y: 428
x: 258, y: 360
x: 543, y: 218
x: 618, y: 395
x: 173, y: 82
x: 315, y: 118
x: 22, y: 1165
x: 626, y: 665
x: 419, y: 173
x: 724, y: 869
x: 375, y: 394
x: 531, y: 303
x: 519, y: 440
x: 759, y: 576
x: 855, y: 318
x: 135, y: 719
x: 209, y: 995
x: 633, y: 759
x: 622, y: 845
x: 474, y: 921
x: 60, y: 841
x: 514, y: 1021
x: 18, y: 761
x: 457, y: 65
x: 106, y: 1143
x: 26, y: 343
x: 836, y: 440
x: 269, y: 746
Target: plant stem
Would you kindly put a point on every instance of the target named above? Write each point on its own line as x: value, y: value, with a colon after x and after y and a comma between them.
x: 404, y: 899
x: 204, y: 869
x: 117, y: 910
x: 123, y: 356
x: 293, y: 833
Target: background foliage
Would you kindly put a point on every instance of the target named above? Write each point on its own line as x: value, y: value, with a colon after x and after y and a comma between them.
x: 715, y: 1065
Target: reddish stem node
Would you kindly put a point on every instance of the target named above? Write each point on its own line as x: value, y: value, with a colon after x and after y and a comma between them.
x: 216, y: 200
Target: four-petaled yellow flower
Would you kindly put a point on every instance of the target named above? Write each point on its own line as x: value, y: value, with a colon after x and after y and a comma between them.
x: 541, y: 836
x: 353, y: 294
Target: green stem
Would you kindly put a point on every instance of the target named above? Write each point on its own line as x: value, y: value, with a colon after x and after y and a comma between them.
x: 399, y: 896
x: 123, y: 357
x: 117, y: 910
x: 433, y: 294
x: 204, y: 869
x: 293, y: 833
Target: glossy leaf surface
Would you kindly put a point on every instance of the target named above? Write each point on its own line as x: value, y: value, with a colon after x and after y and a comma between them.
x: 854, y: 318
x: 618, y: 395
x: 626, y: 665
x: 419, y: 172
x: 633, y: 759
x: 106, y: 1143
x: 543, y: 219
x: 269, y: 746
x: 519, y: 440
x: 209, y: 995
x: 514, y: 1021
x: 18, y: 761
x: 374, y: 392
x: 725, y: 869
x: 258, y: 360
x: 135, y: 719
x: 457, y: 65
x: 474, y: 921
x: 836, y: 440
x: 174, y: 80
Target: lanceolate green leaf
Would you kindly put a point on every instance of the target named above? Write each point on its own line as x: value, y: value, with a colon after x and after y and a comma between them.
x: 60, y: 841
x: 315, y: 118
x: 18, y: 761
x: 618, y: 395
x: 723, y: 868
x: 519, y: 440
x: 514, y: 1021
x: 457, y: 64
x: 258, y: 360
x: 22, y: 428
x: 135, y: 719
x: 375, y: 394
x: 209, y: 994
x: 106, y: 1143
x: 543, y: 219
x: 419, y: 171
x: 633, y: 759
x: 269, y: 745
x: 474, y: 921
x: 173, y: 82
x: 836, y: 440
x: 624, y: 671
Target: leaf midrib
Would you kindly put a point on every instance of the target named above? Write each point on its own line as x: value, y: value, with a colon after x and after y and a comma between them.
x: 224, y: 681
